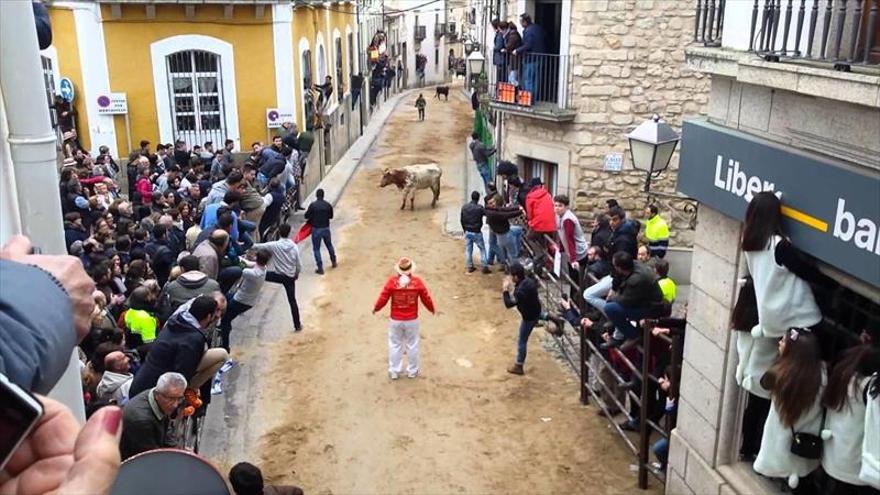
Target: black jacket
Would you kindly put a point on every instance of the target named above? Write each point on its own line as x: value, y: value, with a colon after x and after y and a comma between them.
x: 319, y: 214
x: 179, y: 347
x: 639, y: 289
x: 472, y: 217
x: 142, y: 430
x: 599, y: 268
x: 498, y: 219
x: 624, y: 239
x: 600, y: 235
x: 525, y: 298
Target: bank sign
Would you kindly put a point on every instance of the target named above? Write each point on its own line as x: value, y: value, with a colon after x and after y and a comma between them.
x: 831, y: 212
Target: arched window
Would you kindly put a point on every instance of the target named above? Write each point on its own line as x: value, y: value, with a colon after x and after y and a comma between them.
x: 196, y: 89
x: 322, y: 63
x: 340, y: 87
x: 307, y: 69
x: 308, y: 102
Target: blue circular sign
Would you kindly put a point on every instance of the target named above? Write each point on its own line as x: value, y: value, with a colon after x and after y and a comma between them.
x: 65, y: 87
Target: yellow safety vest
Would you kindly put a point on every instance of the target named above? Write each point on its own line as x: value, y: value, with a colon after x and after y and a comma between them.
x: 142, y: 323
x: 668, y: 288
x: 656, y: 229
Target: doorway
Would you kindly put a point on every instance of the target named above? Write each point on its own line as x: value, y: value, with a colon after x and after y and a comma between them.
x: 548, y: 15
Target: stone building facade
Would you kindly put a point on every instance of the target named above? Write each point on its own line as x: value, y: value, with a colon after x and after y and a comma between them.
x: 813, y: 132
x: 624, y: 61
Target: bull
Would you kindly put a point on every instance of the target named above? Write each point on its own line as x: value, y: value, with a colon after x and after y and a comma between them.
x: 442, y: 90
x: 413, y: 177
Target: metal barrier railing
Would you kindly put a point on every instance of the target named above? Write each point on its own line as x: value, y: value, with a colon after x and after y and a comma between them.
x: 641, y: 389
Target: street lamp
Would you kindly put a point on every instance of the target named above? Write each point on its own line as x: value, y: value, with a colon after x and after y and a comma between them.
x: 651, y: 145
x: 468, y: 44
x: 475, y: 63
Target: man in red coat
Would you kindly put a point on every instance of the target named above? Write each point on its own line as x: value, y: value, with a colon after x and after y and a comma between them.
x: 404, y: 290
x: 539, y: 211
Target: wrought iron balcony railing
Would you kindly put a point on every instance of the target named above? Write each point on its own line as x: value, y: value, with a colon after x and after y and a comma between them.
x: 535, y: 84
x: 844, y: 33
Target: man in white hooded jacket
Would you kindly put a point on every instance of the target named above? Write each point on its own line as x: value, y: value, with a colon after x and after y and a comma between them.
x: 117, y: 378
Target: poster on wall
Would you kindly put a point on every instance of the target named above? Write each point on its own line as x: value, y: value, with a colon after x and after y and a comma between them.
x: 275, y: 117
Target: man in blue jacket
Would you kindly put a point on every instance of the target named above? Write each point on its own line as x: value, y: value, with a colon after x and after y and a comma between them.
x: 498, y: 57
x: 531, y: 51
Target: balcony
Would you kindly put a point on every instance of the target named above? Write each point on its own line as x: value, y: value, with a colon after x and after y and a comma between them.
x: 839, y: 34
x: 439, y: 30
x: 534, y: 85
x: 419, y: 33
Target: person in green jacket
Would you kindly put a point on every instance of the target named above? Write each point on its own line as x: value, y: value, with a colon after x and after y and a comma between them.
x: 421, y: 104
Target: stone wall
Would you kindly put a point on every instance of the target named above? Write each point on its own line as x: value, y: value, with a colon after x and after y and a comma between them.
x: 628, y: 64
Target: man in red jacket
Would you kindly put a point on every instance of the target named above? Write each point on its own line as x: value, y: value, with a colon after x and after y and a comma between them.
x: 404, y: 290
x: 539, y: 211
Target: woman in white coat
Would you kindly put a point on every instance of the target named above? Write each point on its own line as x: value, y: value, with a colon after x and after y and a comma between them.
x: 848, y: 392
x: 795, y: 381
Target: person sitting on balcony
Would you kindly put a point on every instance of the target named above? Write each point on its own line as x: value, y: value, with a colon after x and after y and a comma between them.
x: 533, y: 46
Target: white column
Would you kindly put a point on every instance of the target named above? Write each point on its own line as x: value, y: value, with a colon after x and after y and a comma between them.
x: 34, y: 158
x: 282, y: 36
x: 95, y: 75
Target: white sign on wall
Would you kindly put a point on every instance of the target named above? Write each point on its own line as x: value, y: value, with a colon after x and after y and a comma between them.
x: 613, y: 162
x: 113, y: 104
x: 276, y: 117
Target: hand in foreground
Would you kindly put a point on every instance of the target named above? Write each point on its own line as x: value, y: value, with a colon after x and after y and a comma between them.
x: 68, y: 270
x: 59, y: 457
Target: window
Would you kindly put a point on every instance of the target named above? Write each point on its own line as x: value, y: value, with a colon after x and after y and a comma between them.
x: 49, y: 84
x: 340, y: 87
x: 350, y: 54
x: 322, y: 64
x: 195, y: 87
x: 308, y: 106
x: 436, y: 56
x: 548, y: 172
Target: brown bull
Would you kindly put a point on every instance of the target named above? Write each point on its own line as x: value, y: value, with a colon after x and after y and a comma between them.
x: 413, y: 177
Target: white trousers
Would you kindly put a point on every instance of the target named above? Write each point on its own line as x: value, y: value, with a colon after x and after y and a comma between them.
x: 403, y: 336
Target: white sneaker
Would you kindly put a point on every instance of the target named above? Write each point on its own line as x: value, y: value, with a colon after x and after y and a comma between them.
x: 393, y: 375
x: 413, y: 375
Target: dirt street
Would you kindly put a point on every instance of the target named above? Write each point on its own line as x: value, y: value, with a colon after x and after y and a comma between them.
x: 333, y: 420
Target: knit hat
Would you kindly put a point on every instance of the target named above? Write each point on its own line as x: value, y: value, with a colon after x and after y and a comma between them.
x: 405, y: 266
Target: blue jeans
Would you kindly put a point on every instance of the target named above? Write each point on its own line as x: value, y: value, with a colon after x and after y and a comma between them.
x: 661, y: 450
x: 471, y: 238
x: 516, y: 233
x: 595, y: 294
x: 530, y: 77
x: 245, y: 227
x: 506, y: 248
x: 525, y: 330
x: 493, y: 249
x: 620, y: 316
x: 318, y: 235
x: 262, y: 180
x: 486, y: 174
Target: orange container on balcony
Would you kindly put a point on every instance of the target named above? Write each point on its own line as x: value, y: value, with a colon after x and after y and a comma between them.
x: 524, y: 98
x: 506, y: 93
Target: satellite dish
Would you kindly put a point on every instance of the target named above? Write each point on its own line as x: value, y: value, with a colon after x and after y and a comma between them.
x: 169, y: 472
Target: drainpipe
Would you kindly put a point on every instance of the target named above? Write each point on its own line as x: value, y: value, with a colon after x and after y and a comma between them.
x: 34, y: 157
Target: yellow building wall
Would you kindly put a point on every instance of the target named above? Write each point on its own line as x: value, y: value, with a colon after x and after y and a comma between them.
x: 308, y: 22
x: 128, y: 41
x: 65, y: 43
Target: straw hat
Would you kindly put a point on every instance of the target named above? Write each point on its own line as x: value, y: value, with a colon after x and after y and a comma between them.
x: 405, y: 266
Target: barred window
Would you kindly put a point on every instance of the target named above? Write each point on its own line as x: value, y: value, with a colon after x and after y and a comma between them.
x: 195, y: 86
